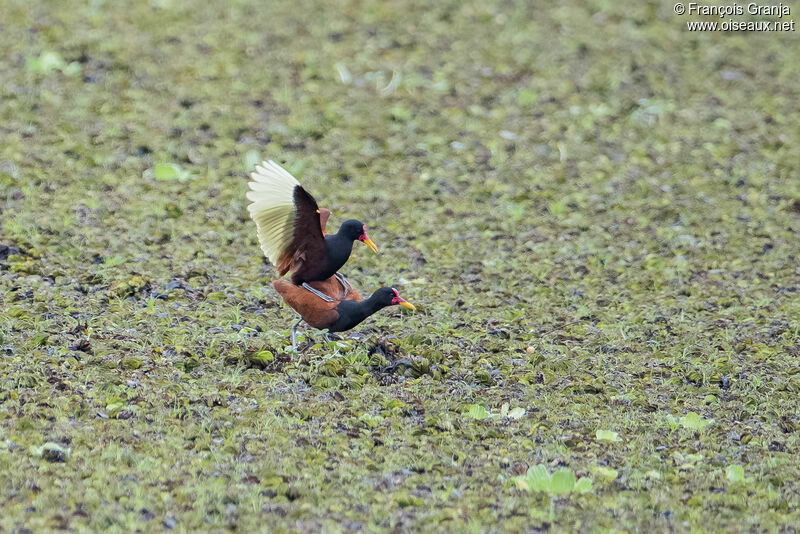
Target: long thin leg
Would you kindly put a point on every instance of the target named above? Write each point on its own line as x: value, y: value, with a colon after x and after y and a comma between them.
x: 294, y: 333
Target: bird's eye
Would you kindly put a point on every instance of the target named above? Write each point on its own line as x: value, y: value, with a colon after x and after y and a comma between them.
x: 317, y: 211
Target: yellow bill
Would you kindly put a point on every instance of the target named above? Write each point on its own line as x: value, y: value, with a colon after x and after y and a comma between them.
x: 367, y: 241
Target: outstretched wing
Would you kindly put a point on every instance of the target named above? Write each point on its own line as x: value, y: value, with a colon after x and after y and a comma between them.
x: 308, y: 242
x: 287, y: 218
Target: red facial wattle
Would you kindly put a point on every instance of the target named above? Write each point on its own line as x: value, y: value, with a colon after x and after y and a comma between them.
x: 367, y: 241
x: 396, y: 299
x: 401, y: 301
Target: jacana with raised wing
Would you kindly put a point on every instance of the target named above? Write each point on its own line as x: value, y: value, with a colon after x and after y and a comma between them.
x: 291, y: 229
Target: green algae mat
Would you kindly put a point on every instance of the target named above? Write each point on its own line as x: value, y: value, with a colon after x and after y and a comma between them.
x: 594, y: 209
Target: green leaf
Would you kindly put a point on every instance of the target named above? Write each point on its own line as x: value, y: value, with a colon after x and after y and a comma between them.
x: 504, y: 410
x: 607, y: 435
x: 371, y: 420
x: 516, y: 413
x: 47, y: 61
x: 562, y: 482
x: 166, y: 171
x: 608, y: 473
x: 400, y: 113
x: 476, y: 411
x: 735, y: 473
x: 584, y: 485
x: 251, y: 159
x: 692, y: 421
x: 522, y: 482
x: 263, y: 357
x: 113, y: 408
x: 170, y: 171
x: 538, y: 478
x: 394, y: 403
x: 72, y: 69
x: 557, y: 207
x: 527, y: 97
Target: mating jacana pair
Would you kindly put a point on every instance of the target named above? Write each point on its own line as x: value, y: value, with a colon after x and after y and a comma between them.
x: 291, y: 231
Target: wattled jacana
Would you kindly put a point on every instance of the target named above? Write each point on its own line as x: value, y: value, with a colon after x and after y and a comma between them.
x: 291, y: 229
x: 334, y: 304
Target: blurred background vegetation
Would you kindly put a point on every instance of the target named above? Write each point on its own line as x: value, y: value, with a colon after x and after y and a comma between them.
x: 595, y: 211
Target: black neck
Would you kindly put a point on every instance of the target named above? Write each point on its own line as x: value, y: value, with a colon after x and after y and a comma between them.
x: 339, y: 247
x: 371, y: 305
x: 352, y: 313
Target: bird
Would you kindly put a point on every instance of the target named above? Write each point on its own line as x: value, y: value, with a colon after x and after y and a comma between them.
x: 334, y: 304
x: 291, y: 227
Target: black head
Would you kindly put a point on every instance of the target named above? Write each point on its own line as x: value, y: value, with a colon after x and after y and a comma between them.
x: 388, y: 296
x: 353, y: 229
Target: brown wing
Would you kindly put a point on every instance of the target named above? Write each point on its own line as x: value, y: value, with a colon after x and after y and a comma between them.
x: 288, y: 221
x: 308, y: 244
x: 315, y: 311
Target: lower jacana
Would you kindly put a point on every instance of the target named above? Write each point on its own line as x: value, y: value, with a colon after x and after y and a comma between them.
x: 334, y: 304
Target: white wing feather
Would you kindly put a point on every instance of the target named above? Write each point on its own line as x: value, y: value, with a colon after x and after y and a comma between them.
x: 272, y: 209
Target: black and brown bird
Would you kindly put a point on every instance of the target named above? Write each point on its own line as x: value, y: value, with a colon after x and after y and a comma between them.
x: 291, y: 227
x: 334, y: 304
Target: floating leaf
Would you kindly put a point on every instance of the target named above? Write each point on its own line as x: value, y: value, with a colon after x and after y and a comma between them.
x: 47, y: 61
x: 72, y: 69
x: 251, y: 159
x: 557, y: 207
x: 516, y: 413
x: 608, y: 473
x: 693, y: 421
x: 607, y: 435
x: 264, y: 356
x: 562, y: 482
x: 735, y: 474
x: 527, y: 97
x: 113, y: 408
x: 171, y: 171
x: 476, y: 411
x: 538, y: 477
x: 166, y: 171
x: 400, y: 113
x: 583, y: 485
